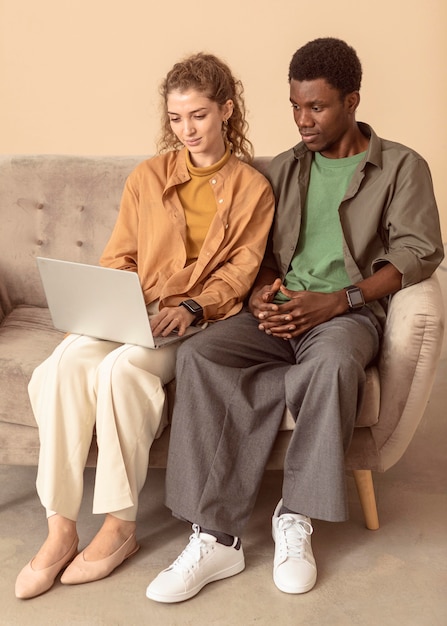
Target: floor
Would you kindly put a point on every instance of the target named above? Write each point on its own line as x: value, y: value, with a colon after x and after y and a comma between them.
x: 394, y: 576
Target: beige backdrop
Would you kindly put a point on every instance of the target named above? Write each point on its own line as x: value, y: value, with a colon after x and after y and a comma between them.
x: 82, y: 76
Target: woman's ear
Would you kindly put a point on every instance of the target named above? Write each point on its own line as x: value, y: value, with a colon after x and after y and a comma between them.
x: 228, y: 109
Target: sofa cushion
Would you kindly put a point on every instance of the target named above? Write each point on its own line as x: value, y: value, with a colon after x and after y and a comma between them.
x: 27, y: 337
x: 63, y: 207
x: 30, y: 325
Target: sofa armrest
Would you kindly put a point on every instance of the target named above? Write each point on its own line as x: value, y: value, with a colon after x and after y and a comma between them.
x: 5, y: 305
x: 409, y: 357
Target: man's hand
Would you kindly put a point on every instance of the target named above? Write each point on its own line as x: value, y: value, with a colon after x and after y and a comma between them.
x: 303, y: 311
x: 307, y: 309
x: 170, y: 319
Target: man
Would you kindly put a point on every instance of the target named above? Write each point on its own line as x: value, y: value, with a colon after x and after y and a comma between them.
x: 356, y: 220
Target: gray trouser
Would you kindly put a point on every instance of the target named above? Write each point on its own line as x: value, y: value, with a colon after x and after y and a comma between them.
x: 233, y: 383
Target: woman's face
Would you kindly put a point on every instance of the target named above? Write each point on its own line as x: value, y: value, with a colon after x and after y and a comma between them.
x: 197, y: 123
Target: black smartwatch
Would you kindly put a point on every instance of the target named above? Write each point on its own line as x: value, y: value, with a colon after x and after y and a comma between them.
x: 355, y: 298
x: 193, y: 307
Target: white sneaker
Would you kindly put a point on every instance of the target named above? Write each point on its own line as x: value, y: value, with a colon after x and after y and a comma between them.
x: 294, y: 567
x: 201, y: 562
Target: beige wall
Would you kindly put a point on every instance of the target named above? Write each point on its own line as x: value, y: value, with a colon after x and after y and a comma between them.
x: 81, y: 76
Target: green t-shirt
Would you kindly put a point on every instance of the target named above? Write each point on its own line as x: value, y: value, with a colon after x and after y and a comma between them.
x: 318, y: 263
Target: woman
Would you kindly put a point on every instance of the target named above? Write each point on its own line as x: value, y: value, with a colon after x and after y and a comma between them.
x: 193, y: 223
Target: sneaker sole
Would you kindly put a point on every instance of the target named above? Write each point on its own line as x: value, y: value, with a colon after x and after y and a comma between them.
x: 237, y: 568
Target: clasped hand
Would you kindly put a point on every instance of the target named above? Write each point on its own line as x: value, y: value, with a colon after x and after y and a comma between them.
x: 303, y: 311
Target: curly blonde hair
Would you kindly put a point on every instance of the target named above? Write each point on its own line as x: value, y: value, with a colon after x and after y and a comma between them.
x: 208, y: 75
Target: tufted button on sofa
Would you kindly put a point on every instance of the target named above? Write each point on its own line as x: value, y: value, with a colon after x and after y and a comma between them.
x: 65, y: 207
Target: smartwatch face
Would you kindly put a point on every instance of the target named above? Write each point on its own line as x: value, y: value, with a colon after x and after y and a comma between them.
x: 193, y: 306
x: 355, y: 298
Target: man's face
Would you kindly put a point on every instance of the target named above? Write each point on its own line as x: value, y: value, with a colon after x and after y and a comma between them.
x: 324, y: 118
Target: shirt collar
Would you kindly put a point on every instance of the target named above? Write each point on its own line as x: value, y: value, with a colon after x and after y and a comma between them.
x: 373, y: 152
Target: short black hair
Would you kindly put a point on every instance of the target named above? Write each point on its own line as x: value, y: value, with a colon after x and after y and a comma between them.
x: 328, y: 58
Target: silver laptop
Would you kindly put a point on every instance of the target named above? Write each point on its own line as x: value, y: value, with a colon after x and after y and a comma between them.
x: 100, y: 302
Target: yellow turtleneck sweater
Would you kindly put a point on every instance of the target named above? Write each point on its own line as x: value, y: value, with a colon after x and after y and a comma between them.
x: 199, y: 204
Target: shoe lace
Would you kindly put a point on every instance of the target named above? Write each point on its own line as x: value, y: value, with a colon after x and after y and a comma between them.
x: 293, y: 536
x: 193, y: 552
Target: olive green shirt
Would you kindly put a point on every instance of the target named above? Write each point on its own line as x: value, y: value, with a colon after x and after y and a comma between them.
x: 387, y: 215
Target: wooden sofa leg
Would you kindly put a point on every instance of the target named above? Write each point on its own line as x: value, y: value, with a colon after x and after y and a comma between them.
x: 365, y: 488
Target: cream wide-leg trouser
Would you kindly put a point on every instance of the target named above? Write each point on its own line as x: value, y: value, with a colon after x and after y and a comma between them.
x: 116, y: 387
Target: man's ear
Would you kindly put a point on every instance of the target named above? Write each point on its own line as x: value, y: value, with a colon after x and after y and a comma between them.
x: 352, y: 101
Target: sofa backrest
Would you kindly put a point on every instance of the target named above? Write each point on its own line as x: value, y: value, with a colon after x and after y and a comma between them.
x: 60, y: 207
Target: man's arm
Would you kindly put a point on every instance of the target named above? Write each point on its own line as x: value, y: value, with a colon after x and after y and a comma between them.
x: 307, y: 309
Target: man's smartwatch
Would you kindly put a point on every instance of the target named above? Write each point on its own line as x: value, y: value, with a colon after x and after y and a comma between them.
x: 355, y: 298
x: 193, y: 307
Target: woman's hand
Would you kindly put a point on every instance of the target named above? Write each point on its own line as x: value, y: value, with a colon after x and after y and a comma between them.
x: 171, y: 319
x: 261, y: 300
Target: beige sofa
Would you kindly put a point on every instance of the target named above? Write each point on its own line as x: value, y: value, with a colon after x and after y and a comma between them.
x: 65, y: 207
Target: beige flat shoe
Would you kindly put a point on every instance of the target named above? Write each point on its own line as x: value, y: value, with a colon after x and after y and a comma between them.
x: 82, y: 571
x: 32, y: 582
